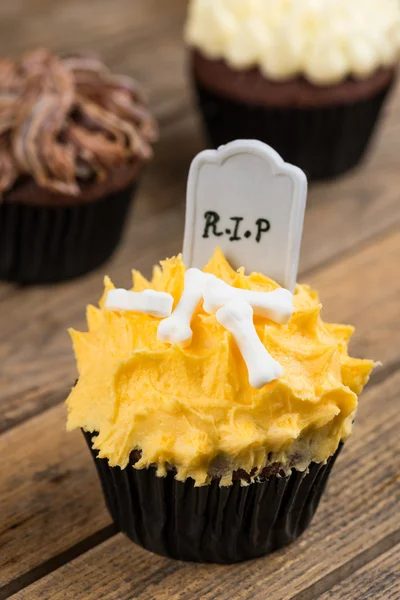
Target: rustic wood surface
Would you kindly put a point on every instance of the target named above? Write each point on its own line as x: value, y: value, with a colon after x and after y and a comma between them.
x: 378, y: 580
x: 56, y: 537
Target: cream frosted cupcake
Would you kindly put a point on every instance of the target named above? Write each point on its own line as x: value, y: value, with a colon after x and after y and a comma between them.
x: 305, y: 76
x: 202, y: 455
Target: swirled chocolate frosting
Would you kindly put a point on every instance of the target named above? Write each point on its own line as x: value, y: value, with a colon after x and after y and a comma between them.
x: 69, y: 122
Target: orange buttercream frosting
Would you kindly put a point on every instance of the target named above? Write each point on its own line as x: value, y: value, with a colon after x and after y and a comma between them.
x: 193, y: 408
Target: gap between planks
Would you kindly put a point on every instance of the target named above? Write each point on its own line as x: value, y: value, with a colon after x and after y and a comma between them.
x: 349, y: 569
x: 379, y: 579
x: 55, y: 562
x: 336, y: 579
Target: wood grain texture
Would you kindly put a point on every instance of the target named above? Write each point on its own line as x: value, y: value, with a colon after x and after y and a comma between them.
x: 59, y: 453
x: 363, y: 289
x: 359, y: 510
x: 379, y: 580
x: 50, y: 498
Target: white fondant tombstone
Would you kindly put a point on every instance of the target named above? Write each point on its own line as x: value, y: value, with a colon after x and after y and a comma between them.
x: 246, y: 199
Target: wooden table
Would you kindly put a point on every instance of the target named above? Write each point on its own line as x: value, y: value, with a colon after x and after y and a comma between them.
x: 56, y: 537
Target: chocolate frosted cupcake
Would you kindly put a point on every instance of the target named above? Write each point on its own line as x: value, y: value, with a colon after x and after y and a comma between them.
x: 213, y: 445
x: 309, y: 78
x: 73, y: 141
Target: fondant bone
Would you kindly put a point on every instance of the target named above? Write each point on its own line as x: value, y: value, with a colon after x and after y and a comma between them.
x: 149, y: 302
x: 236, y: 316
x: 276, y: 305
x: 176, y: 328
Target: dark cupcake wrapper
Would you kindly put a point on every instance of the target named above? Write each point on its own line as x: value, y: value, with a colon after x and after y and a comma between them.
x: 210, y: 523
x: 48, y: 244
x: 323, y: 141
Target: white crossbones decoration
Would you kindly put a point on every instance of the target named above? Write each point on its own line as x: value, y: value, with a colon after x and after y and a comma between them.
x: 176, y: 328
x: 276, y: 305
x: 234, y: 310
x: 148, y: 302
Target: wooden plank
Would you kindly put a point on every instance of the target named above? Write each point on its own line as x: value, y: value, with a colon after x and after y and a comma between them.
x: 358, y: 512
x: 58, y: 451
x: 379, y: 580
x: 50, y: 498
x: 363, y: 289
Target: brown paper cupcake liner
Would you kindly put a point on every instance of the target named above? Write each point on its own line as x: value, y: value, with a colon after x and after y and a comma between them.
x: 323, y: 141
x: 48, y: 244
x: 210, y: 523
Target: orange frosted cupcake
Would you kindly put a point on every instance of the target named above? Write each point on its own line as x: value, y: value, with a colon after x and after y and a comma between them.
x: 214, y: 437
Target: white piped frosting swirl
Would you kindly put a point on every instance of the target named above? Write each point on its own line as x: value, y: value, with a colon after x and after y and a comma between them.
x: 326, y: 41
